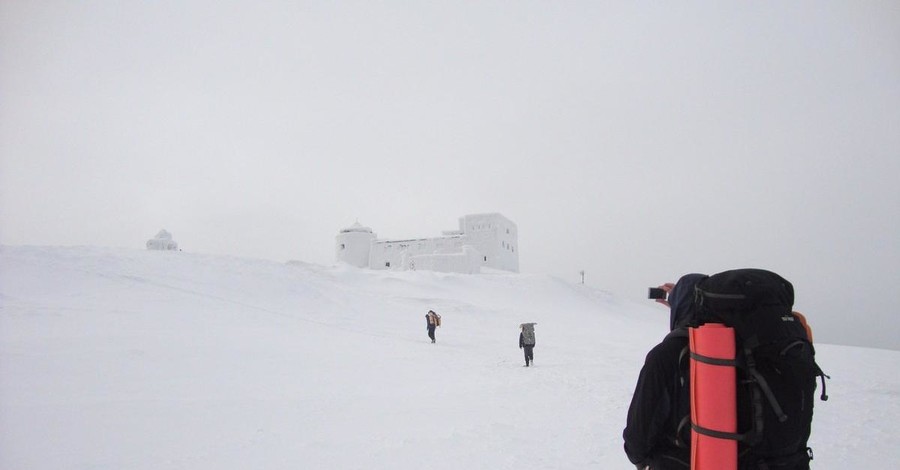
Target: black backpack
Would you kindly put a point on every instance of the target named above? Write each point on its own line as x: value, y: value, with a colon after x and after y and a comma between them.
x: 776, y: 367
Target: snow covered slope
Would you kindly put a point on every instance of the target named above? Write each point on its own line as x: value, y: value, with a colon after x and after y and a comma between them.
x: 132, y: 359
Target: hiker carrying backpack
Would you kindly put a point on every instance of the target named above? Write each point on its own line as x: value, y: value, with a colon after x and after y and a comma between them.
x: 775, y: 364
x: 527, y: 341
x: 657, y: 434
x: 432, y: 321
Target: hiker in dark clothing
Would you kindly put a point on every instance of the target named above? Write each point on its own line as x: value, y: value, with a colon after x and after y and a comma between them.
x: 432, y: 321
x: 527, y: 342
x: 657, y: 433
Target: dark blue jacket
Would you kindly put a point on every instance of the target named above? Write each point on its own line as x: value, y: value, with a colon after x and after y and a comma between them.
x: 656, y: 433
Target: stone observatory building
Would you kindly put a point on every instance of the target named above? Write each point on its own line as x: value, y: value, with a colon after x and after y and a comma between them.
x: 482, y: 240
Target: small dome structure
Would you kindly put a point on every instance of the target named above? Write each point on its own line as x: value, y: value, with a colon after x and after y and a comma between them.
x: 162, y: 241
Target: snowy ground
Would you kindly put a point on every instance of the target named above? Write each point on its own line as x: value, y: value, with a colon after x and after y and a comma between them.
x: 129, y: 359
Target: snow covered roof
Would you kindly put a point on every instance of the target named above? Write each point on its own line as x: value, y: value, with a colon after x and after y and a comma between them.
x: 163, y: 235
x: 356, y: 227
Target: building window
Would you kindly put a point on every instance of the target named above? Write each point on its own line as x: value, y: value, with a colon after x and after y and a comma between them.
x: 387, y: 264
x: 343, y: 246
x: 507, y: 230
x: 485, y: 258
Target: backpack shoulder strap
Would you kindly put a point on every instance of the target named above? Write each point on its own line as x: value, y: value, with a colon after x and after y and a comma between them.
x: 678, y: 333
x: 682, y: 421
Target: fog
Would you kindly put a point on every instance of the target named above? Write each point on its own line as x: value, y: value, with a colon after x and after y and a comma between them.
x: 634, y: 142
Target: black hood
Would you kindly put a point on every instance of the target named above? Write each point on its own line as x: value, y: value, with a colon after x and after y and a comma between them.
x: 681, y: 299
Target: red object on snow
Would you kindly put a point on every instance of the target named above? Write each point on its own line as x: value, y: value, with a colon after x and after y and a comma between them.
x: 713, y: 397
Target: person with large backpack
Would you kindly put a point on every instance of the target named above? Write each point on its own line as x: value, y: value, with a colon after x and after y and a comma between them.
x: 775, y: 366
x: 657, y: 433
x: 432, y: 321
x: 527, y: 341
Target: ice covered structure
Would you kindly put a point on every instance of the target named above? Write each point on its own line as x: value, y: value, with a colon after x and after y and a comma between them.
x: 162, y: 241
x: 482, y: 240
x: 352, y: 245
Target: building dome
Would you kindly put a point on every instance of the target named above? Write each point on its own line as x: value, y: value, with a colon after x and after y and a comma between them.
x: 356, y: 227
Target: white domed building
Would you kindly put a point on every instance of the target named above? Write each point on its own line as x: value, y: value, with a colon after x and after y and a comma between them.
x: 352, y: 245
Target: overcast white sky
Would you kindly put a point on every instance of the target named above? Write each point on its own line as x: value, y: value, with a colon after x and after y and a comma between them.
x: 636, y: 141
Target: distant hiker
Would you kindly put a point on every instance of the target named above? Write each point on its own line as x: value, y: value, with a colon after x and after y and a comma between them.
x: 657, y: 435
x: 527, y: 342
x: 432, y: 321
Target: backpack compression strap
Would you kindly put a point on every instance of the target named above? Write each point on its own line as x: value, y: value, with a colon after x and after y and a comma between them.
x: 712, y: 432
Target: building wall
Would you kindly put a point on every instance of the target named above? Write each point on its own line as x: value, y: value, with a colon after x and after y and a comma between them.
x: 467, y: 262
x: 492, y: 240
x: 352, y: 247
x: 495, y: 237
x: 161, y: 244
x: 391, y: 254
